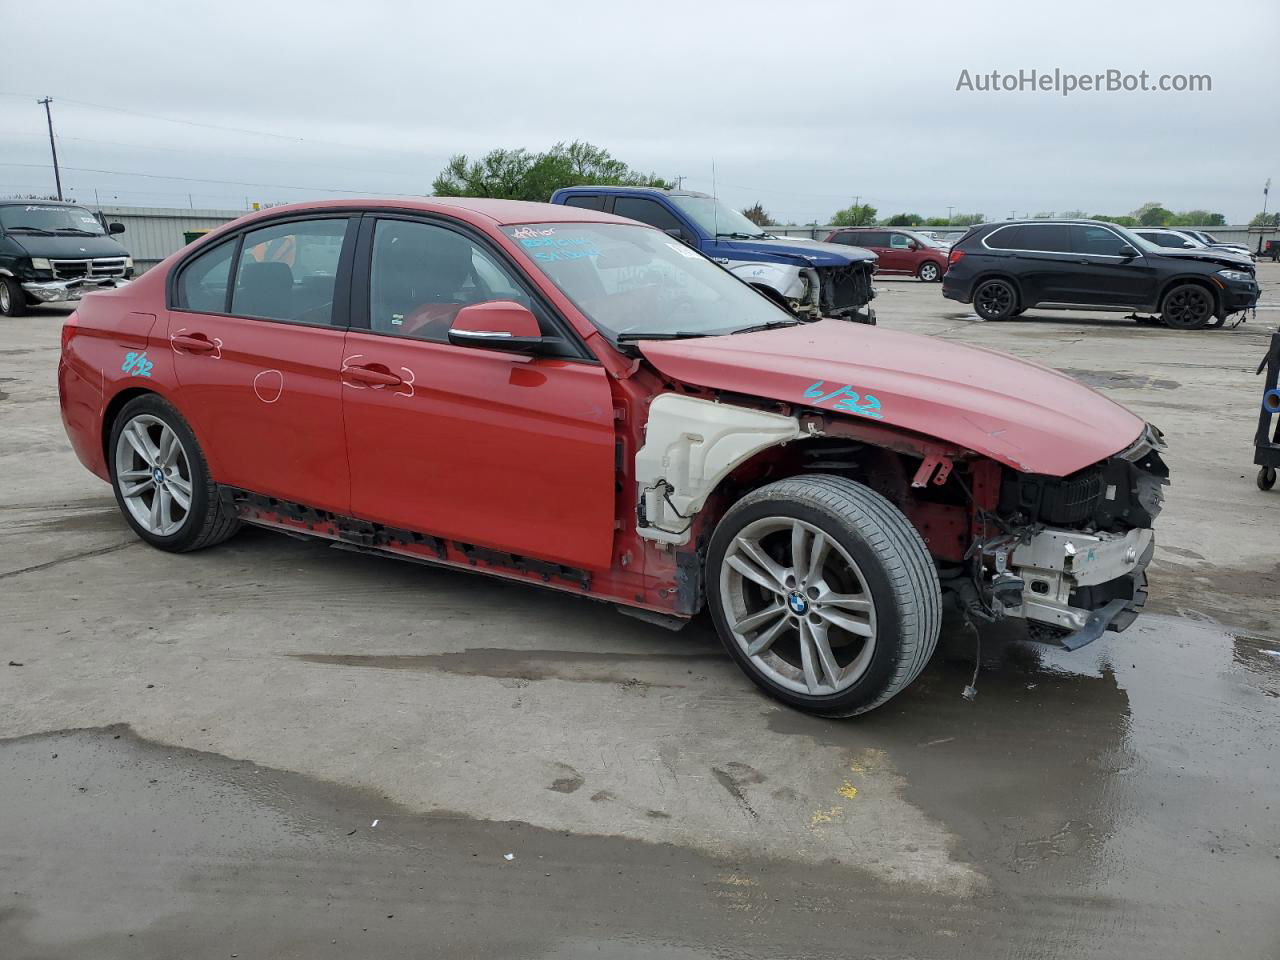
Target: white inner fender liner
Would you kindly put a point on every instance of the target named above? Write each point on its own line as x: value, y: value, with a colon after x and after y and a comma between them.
x: 690, y: 446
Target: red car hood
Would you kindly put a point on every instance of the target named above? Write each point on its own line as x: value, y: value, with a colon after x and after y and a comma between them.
x: 1024, y: 415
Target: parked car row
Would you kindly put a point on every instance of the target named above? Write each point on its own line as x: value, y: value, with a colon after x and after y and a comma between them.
x: 556, y: 395
x: 1006, y: 268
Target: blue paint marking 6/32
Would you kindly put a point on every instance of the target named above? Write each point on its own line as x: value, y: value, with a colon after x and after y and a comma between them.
x: 846, y: 400
x: 137, y: 364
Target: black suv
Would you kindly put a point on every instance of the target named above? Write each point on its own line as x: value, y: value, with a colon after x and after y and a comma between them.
x: 52, y: 252
x: 1006, y: 268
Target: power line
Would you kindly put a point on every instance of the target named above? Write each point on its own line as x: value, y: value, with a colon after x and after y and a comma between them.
x: 205, y: 153
x: 233, y: 183
x: 214, y: 126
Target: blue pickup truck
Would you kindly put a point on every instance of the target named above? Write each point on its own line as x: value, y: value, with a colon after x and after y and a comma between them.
x: 809, y: 277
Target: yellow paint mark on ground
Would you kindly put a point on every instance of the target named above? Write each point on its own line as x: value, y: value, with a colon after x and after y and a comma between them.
x: 737, y: 880
x: 826, y: 816
x: 848, y: 790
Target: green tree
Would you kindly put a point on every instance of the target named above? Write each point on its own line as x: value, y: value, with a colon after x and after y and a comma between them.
x: 904, y: 220
x: 967, y: 219
x: 1152, y: 215
x: 1074, y: 215
x: 1122, y: 220
x: 854, y: 215
x: 1197, y: 218
x: 759, y: 216
x: 1265, y: 220
x: 521, y: 175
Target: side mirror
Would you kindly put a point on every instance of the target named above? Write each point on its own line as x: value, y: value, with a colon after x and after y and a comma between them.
x: 499, y: 325
x: 115, y: 228
x: 1128, y: 252
x: 676, y: 233
x: 912, y: 245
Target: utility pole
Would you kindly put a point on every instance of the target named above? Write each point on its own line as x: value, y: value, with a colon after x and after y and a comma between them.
x: 53, y: 147
x: 679, y: 182
x: 949, y: 209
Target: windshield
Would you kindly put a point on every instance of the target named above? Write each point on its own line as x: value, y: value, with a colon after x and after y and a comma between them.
x: 47, y: 218
x: 634, y: 281
x: 717, y: 219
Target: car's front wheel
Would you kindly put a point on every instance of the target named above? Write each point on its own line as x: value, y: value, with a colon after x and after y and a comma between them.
x: 929, y: 272
x: 995, y: 300
x: 13, y: 301
x: 1187, y: 306
x: 161, y: 480
x: 824, y: 593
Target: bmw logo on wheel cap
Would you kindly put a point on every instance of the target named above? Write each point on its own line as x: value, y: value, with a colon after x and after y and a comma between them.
x: 797, y: 603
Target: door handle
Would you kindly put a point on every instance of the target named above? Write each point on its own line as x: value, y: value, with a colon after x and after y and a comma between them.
x: 372, y: 375
x: 196, y: 343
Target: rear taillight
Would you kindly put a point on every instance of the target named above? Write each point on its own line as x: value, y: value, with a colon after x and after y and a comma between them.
x: 68, y: 328
x: 954, y: 257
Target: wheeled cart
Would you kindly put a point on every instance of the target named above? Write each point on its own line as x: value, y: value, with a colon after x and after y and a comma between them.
x: 1266, y: 441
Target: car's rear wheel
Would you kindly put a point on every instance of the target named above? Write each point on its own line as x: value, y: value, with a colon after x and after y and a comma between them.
x: 929, y: 272
x: 13, y: 302
x: 824, y: 594
x: 995, y: 300
x: 161, y: 480
x: 1187, y: 306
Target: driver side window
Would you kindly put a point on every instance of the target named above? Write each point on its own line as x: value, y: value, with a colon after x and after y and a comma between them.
x: 423, y: 274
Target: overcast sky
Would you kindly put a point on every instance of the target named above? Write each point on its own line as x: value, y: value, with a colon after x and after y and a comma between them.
x: 801, y: 105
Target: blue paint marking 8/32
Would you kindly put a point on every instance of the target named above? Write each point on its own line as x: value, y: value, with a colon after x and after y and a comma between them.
x: 137, y: 364
x: 847, y: 400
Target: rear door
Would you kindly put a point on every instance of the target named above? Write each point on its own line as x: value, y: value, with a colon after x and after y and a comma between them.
x: 257, y: 330
x: 877, y: 241
x: 500, y: 450
x: 1043, y: 261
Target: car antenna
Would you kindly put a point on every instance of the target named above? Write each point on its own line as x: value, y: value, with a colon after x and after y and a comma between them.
x: 715, y: 200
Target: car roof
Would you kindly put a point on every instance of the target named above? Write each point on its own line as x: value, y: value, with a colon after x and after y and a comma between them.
x: 624, y: 188
x: 477, y: 210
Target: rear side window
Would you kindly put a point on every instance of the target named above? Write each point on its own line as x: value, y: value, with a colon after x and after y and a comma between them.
x: 872, y: 238
x: 1047, y: 237
x: 899, y: 241
x: 289, y: 271
x: 1096, y: 241
x: 594, y: 202
x: 203, y: 284
x: 1005, y: 238
x: 646, y: 211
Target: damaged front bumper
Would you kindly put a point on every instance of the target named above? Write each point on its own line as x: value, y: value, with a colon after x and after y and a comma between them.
x: 60, y: 291
x: 1083, y: 583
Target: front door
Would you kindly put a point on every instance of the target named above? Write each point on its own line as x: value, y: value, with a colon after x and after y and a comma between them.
x: 499, y: 450
x: 257, y: 336
x: 1104, y: 274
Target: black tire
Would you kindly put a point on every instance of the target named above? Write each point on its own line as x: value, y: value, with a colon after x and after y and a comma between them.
x: 929, y: 272
x: 1188, y: 306
x: 208, y: 521
x: 1266, y: 478
x: 13, y: 299
x: 995, y: 300
x: 895, y: 566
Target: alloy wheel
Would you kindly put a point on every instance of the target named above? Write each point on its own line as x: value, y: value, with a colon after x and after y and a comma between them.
x: 798, y: 606
x: 153, y: 474
x: 1187, y: 307
x: 4, y: 297
x: 929, y: 272
x: 994, y: 299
